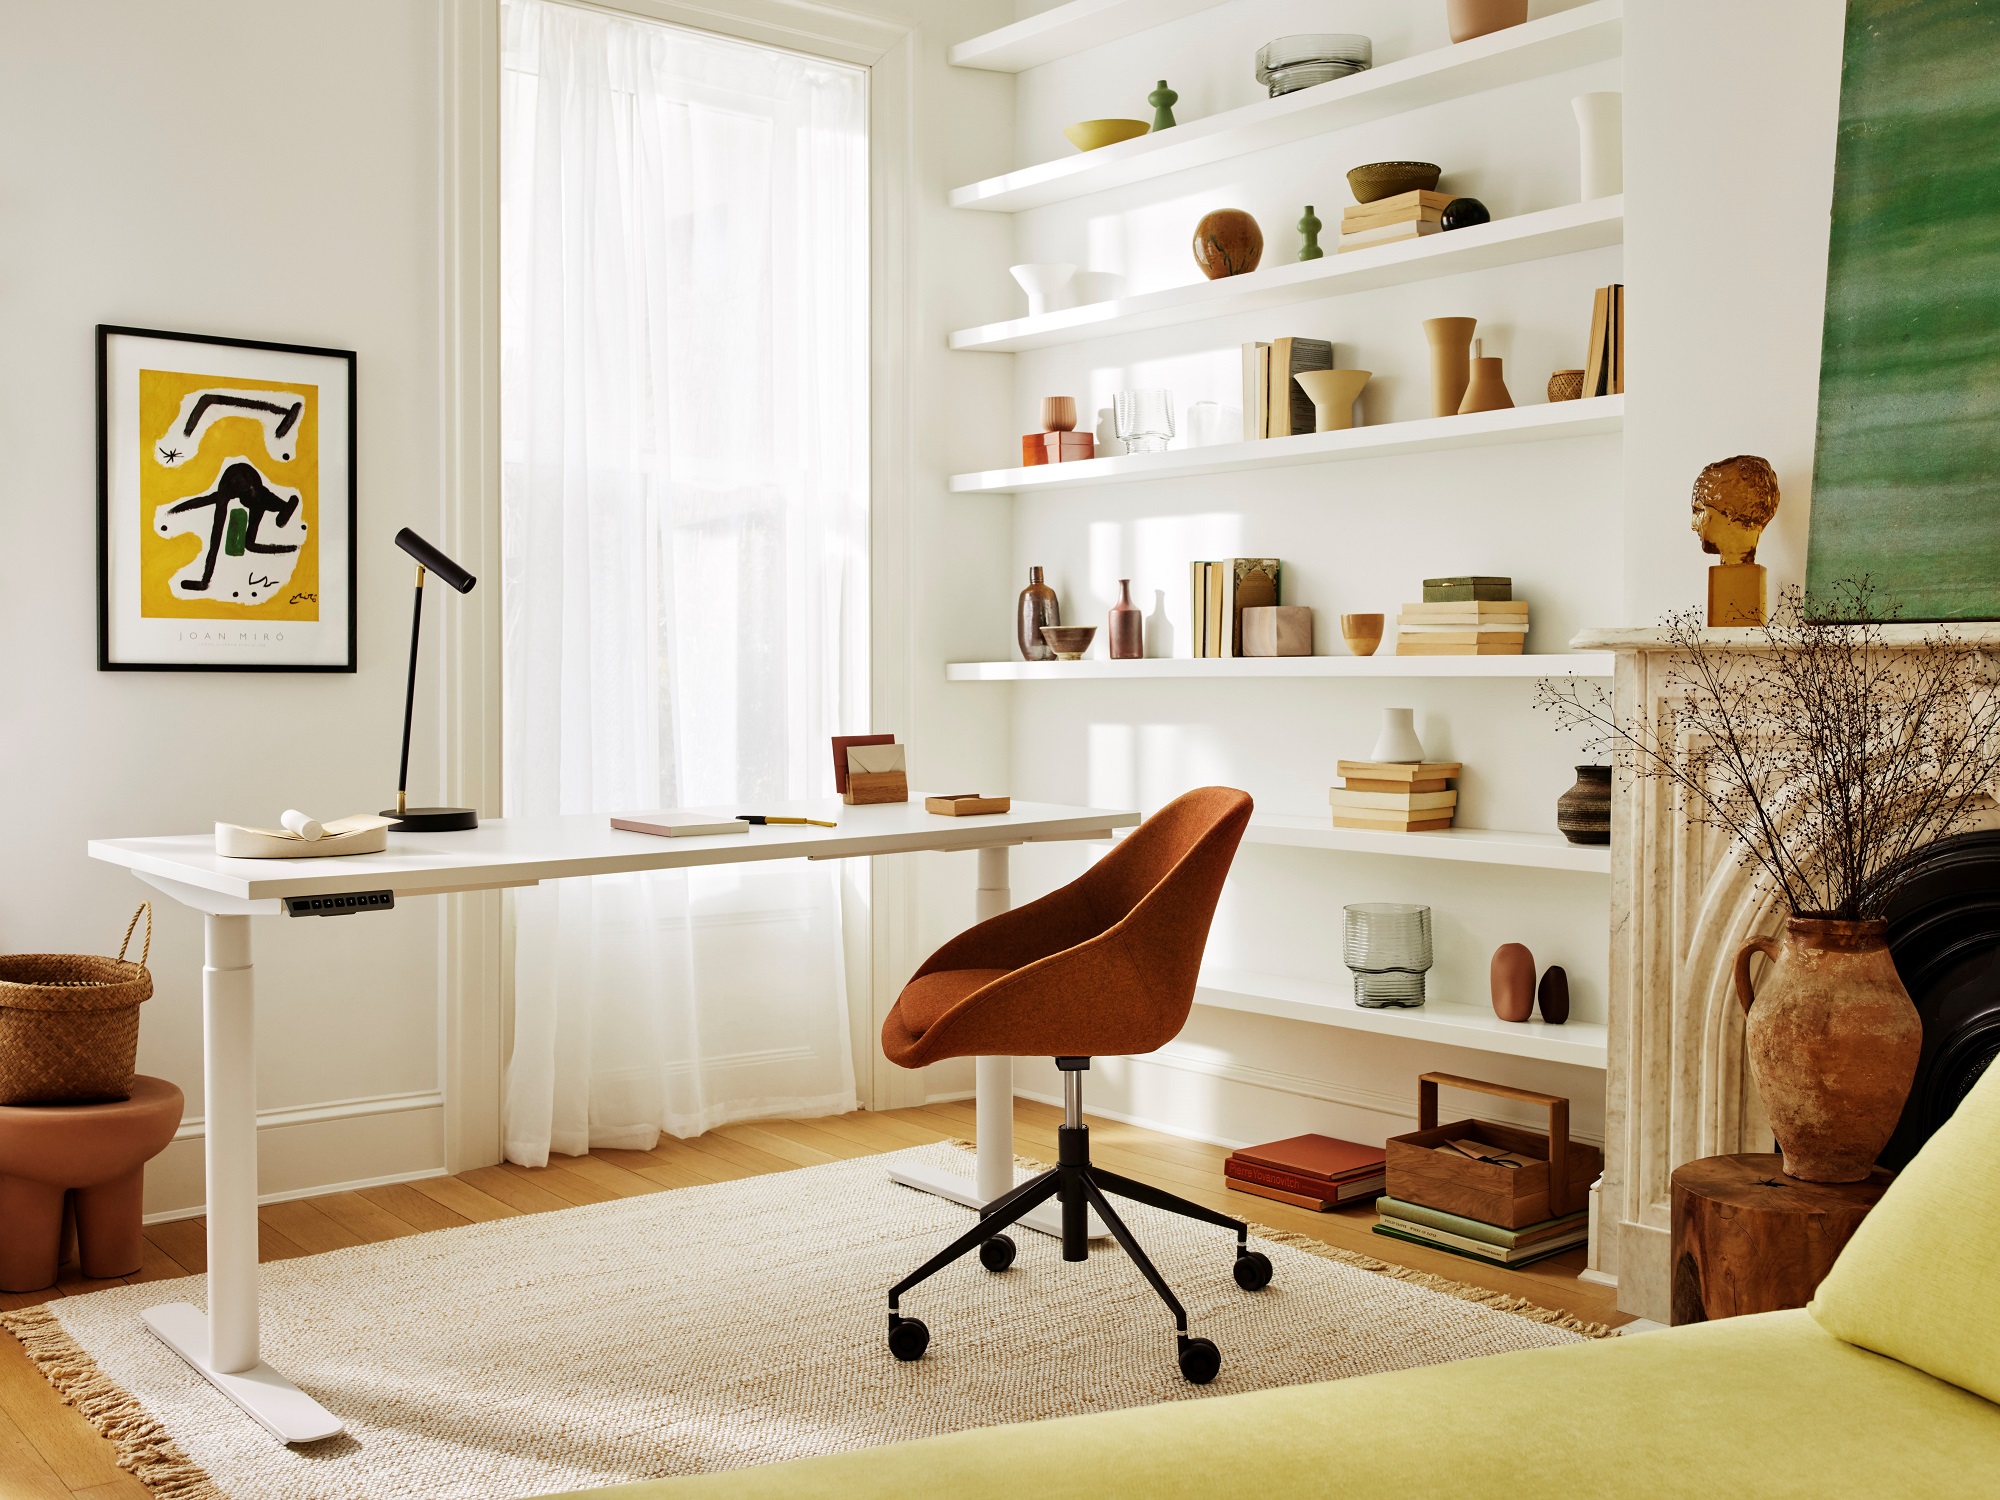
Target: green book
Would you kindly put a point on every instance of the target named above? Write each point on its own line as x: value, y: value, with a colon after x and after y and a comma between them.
x: 1498, y: 1257
x: 1476, y: 1229
x: 1452, y: 590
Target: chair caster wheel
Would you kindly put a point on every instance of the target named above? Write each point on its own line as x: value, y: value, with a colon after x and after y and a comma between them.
x: 1253, y: 1270
x: 997, y: 1254
x: 1200, y: 1360
x: 908, y: 1338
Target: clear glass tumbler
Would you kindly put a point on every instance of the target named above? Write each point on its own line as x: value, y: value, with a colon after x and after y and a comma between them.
x: 1144, y: 419
x: 1388, y: 946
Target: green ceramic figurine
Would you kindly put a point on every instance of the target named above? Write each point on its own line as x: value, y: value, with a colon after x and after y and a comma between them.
x: 1162, y: 99
x: 1310, y: 227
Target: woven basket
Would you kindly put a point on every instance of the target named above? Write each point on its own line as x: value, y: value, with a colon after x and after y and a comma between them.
x: 1566, y: 385
x: 69, y: 1023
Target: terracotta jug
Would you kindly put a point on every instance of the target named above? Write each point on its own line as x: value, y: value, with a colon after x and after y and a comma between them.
x: 1035, y: 608
x: 1833, y: 1042
x: 1128, y: 626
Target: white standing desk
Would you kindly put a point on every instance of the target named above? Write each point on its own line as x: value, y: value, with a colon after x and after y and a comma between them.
x: 223, y: 1343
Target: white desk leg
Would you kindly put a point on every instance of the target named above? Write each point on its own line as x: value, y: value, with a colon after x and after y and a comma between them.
x: 223, y: 1344
x: 993, y: 1099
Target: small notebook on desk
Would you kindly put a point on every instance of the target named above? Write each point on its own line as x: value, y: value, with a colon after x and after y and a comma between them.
x: 675, y: 824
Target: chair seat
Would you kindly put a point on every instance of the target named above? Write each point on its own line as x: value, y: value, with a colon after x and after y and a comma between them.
x: 928, y: 999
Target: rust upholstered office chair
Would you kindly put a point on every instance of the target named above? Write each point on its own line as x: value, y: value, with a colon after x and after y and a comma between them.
x: 1106, y: 965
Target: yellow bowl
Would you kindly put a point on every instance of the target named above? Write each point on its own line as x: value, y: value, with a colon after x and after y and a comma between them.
x: 1088, y: 135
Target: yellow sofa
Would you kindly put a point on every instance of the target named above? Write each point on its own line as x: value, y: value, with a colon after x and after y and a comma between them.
x: 1769, y: 1406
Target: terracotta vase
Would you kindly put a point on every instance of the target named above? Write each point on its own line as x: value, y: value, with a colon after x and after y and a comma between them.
x: 1833, y: 1042
x: 1127, y: 626
x: 1485, y: 390
x: 1512, y: 976
x: 1471, y: 18
x: 1227, y: 243
x: 1036, y: 607
x: 1451, y: 362
x: 1583, y: 813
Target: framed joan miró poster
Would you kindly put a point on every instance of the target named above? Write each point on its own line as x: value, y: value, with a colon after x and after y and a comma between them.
x: 225, y: 504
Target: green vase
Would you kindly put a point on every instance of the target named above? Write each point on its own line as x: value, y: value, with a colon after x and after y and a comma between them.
x: 1310, y: 227
x: 1162, y: 99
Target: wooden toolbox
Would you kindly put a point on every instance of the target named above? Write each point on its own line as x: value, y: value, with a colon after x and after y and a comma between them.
x: 1554, y: 1179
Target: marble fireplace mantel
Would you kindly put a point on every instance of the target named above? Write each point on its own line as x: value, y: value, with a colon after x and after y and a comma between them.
x: 1677, y: 1086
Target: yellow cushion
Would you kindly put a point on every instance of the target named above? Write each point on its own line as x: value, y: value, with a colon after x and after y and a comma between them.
x: 1920, y: 1280
x: 1770, y: 1406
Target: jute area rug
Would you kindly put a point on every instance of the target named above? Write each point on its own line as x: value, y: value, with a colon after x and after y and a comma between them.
x: 710, y: 1327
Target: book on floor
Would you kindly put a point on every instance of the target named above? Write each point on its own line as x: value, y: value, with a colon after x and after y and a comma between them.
x: 1322, y: 1156
x: 1474, y: 1249
x: 1358, y: 1191
x: 1478, y: 1229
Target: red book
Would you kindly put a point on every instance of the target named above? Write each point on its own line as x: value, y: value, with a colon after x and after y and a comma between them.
x: 1315, y: 1156
x: 1344, y: 1190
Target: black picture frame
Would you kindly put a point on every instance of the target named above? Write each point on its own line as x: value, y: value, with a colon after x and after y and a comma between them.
x: 106, y: 333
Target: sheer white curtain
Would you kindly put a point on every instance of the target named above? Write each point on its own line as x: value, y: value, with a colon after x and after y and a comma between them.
x: 684, y: 336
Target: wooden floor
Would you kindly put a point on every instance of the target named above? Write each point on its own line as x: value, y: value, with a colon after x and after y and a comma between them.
x: 48, y: 1452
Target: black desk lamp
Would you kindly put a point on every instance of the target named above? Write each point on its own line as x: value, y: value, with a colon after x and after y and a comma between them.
x: 425, y: 819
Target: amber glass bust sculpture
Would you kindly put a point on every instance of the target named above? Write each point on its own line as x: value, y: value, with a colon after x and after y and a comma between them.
x: 1734, y: 501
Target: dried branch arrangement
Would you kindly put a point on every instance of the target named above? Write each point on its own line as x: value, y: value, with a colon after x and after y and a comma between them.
x: 1830, y: 757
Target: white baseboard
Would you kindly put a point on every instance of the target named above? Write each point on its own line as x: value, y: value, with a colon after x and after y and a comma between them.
x: 1597, y: 1278
x: 309, y: 1150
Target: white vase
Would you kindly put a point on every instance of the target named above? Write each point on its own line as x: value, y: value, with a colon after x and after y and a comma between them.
x: 1043, y: 283
x: 1601, y: 134
x: 1399, y: 742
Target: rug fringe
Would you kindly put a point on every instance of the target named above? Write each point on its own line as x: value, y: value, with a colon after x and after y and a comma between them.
x: 144, y: 1449
x: 1504, y: 1302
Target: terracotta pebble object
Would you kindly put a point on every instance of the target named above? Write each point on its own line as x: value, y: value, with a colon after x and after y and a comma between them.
x: 1513, y: 976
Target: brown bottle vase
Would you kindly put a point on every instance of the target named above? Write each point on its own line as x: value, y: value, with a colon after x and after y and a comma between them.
x: 1451, y: 362
x: 1037, y: 608
x: 1127, y: 626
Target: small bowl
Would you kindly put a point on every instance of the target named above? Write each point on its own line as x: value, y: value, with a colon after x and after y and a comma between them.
x: 1088, y: 135
x: 1566, y: 385
x: 1069, y: 642
x: 1385, y: 179
x: 1363, y: 633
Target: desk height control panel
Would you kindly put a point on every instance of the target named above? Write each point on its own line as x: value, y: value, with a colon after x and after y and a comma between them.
x: 339, y: 906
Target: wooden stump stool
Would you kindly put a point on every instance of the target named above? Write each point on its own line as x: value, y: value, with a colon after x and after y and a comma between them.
x: 1749, y: 1239
x: 91, y: 1157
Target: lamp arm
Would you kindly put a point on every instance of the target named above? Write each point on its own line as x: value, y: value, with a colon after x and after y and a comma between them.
x: 410, y: 695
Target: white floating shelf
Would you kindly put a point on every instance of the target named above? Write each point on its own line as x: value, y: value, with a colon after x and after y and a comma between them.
x: 1554, y: 44
x: 1536, y: 236
x: 1479, y: 846
x: 1068, y: 29
x: 1580, y: 1043
x: 1568, y: 664
x: 1515, y: 424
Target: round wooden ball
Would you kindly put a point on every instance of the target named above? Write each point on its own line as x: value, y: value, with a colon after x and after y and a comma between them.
x: 1227, y: 243
x: 1513, y: 975
x: 1553, y: 995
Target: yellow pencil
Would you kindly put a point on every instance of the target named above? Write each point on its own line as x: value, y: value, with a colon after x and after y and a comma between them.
x: 760, y: 818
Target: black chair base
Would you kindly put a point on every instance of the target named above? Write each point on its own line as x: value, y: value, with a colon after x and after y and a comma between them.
x: 1079, y: 1187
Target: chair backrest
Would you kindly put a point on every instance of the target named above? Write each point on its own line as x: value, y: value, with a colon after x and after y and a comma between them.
x: 1156, y: 895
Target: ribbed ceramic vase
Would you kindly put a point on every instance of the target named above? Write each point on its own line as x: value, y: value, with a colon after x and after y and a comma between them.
x: 1583, y: 813
x: 1833, y: 1041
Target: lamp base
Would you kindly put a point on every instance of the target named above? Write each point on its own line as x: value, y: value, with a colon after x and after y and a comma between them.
x: 431, y: 819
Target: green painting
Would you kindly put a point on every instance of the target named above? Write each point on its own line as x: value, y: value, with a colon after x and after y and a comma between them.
x: 1906, y: 483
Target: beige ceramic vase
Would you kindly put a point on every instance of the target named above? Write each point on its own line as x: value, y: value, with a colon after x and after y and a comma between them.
x: 1333, y: 394
x: 1833, y: 1042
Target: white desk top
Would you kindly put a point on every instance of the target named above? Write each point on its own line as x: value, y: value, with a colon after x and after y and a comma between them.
x: 523, y: 851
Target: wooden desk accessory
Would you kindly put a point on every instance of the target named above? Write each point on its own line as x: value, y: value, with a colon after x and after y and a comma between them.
x: 1058, y: 441
x: 1428, y: 1167
x: 966, y: 804
x: 869, y: 768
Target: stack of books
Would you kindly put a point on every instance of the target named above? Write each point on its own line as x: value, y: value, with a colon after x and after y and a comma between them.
x: 1307, y: 1171
x: 1403, y: 217
x: 1219, y: 592
x: 1477, y: 1240
x: 1395, y: 796
x: 1604, y: 370
x: 1274, y: 404
x: 1464, y: 617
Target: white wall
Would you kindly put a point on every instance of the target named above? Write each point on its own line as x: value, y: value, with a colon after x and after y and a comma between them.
x: 225, y: 167
x: 1356, y: 536
x: 1729, y: 177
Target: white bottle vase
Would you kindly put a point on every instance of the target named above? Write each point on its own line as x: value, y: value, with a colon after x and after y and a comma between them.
x: 1600, y: 124
x: 1399, y: 742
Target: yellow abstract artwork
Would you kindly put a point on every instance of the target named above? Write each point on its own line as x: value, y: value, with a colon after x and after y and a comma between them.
x: 228, y: 498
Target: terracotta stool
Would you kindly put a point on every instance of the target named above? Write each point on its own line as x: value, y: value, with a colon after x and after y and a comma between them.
x: 98, y: 1152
